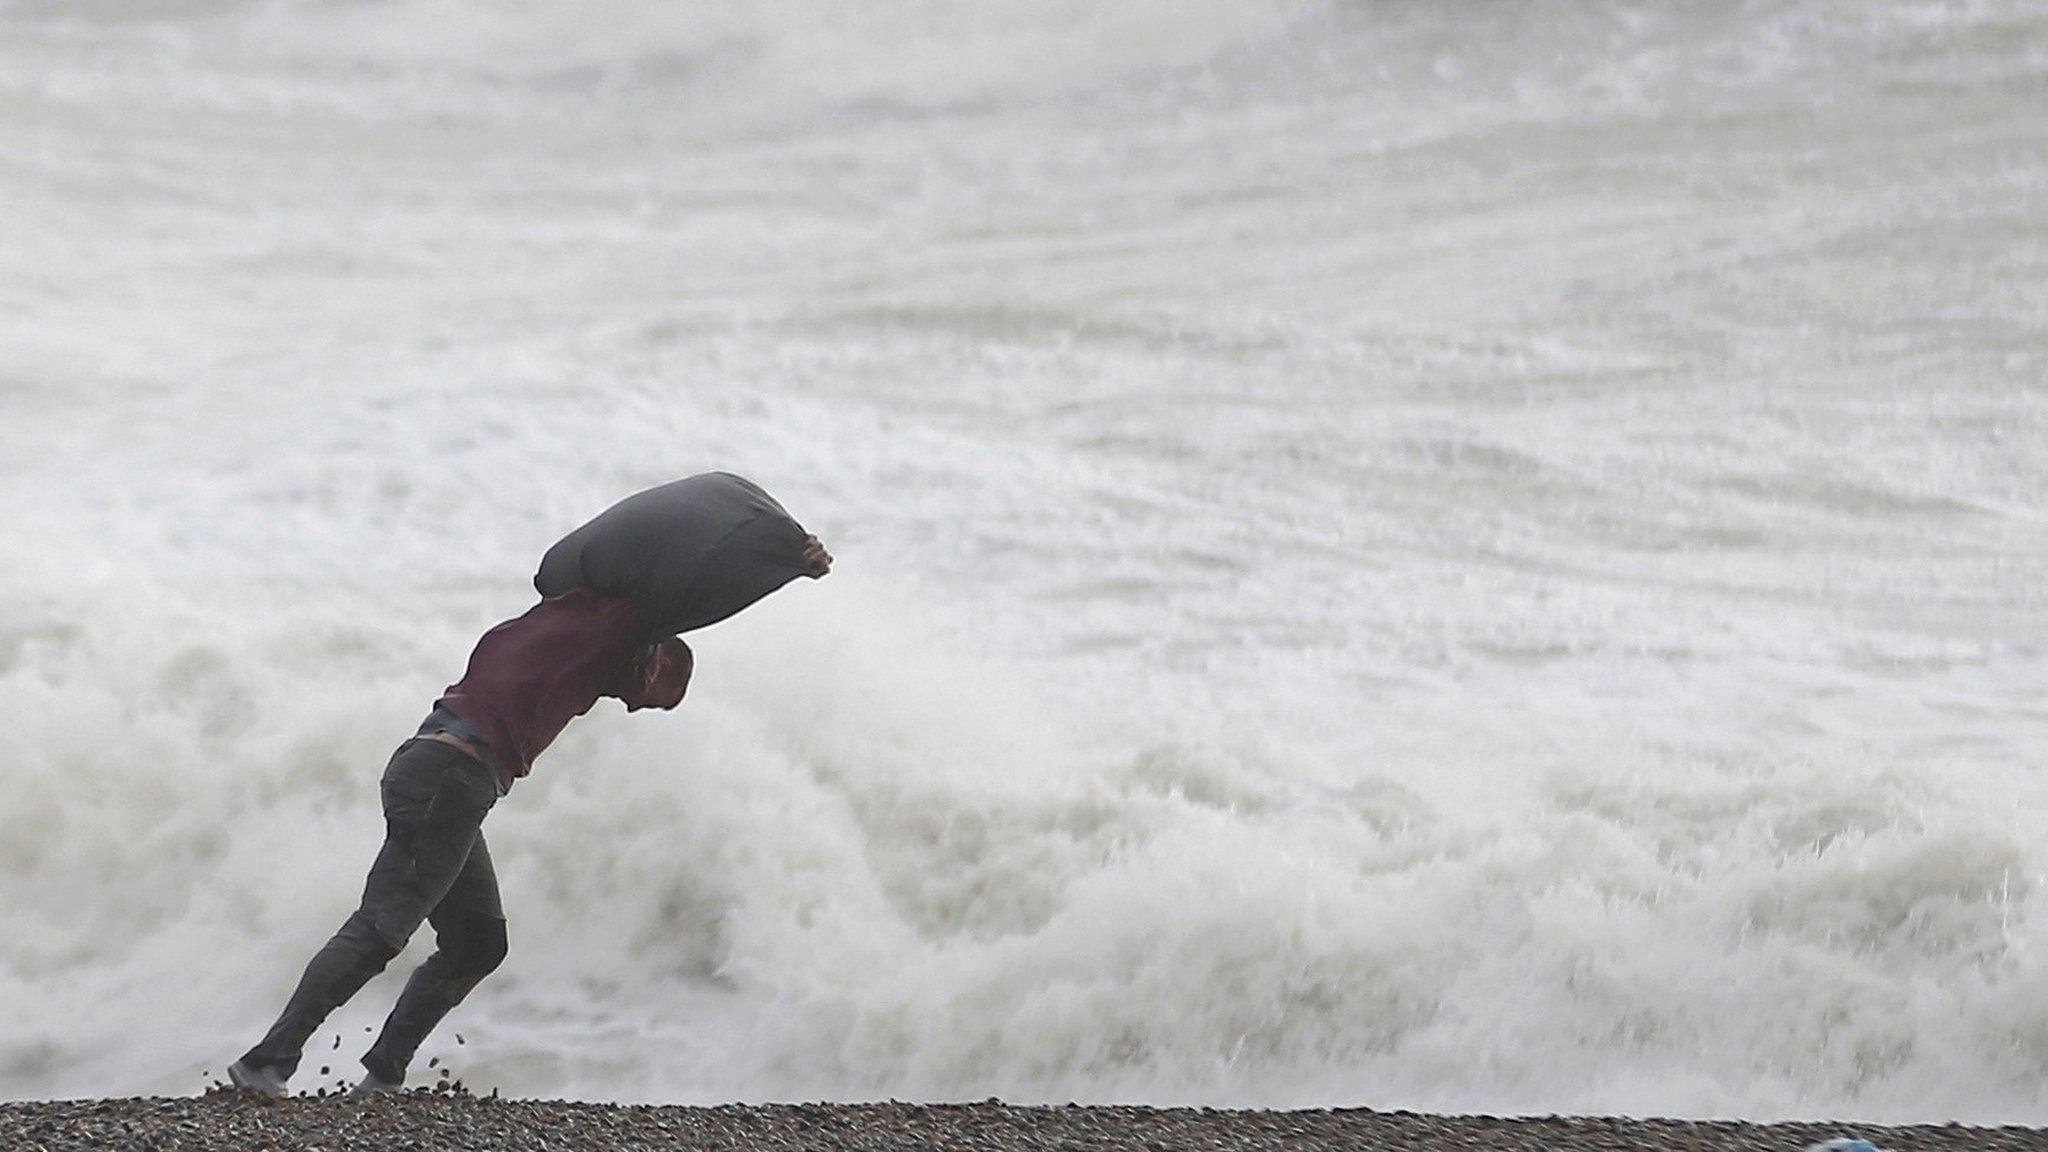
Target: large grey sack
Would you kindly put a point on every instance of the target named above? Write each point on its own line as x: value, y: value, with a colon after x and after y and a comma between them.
x: 689, y: 553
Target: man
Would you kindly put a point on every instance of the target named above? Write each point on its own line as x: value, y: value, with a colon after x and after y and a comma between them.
x: 615, y: 593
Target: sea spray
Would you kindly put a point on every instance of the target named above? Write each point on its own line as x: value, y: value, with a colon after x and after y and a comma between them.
x: 1481, y: 560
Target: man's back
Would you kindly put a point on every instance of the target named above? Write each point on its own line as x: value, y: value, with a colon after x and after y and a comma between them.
x: 531, y: 675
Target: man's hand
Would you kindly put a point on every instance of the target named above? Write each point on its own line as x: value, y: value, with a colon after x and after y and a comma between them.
x: 817, y: 561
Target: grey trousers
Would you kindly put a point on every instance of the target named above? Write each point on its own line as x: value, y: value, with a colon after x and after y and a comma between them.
x: 433, y: 867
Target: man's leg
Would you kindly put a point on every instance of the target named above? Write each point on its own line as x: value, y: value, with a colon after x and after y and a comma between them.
x: 431, y: 818
x: 338, y: 971
x: 469, y: 938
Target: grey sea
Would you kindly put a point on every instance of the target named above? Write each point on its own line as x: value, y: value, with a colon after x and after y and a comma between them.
x: 1453, y: 556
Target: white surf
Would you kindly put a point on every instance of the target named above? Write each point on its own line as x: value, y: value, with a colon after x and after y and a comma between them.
x: 1426, y: 556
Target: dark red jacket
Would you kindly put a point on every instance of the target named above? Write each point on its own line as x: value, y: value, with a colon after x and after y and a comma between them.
x: 530, y: 676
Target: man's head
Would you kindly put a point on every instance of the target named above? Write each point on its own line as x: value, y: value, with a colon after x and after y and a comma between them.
x: 662, y: 675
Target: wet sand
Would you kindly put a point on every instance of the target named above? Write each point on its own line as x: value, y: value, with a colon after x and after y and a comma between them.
x: 445, y: 1120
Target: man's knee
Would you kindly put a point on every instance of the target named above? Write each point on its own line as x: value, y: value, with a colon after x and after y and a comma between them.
x: 373, y: 940
x: 478, y: 946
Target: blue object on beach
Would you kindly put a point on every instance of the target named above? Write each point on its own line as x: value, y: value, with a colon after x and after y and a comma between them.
x: 1844, y: 1144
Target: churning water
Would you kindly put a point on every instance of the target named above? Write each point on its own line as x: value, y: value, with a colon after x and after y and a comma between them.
x: 1468, y: 556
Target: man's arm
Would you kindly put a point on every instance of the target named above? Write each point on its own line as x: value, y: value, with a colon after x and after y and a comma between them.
x: 660, y: 672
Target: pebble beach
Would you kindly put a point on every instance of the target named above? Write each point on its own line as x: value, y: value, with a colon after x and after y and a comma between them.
x: 448, y: 1120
